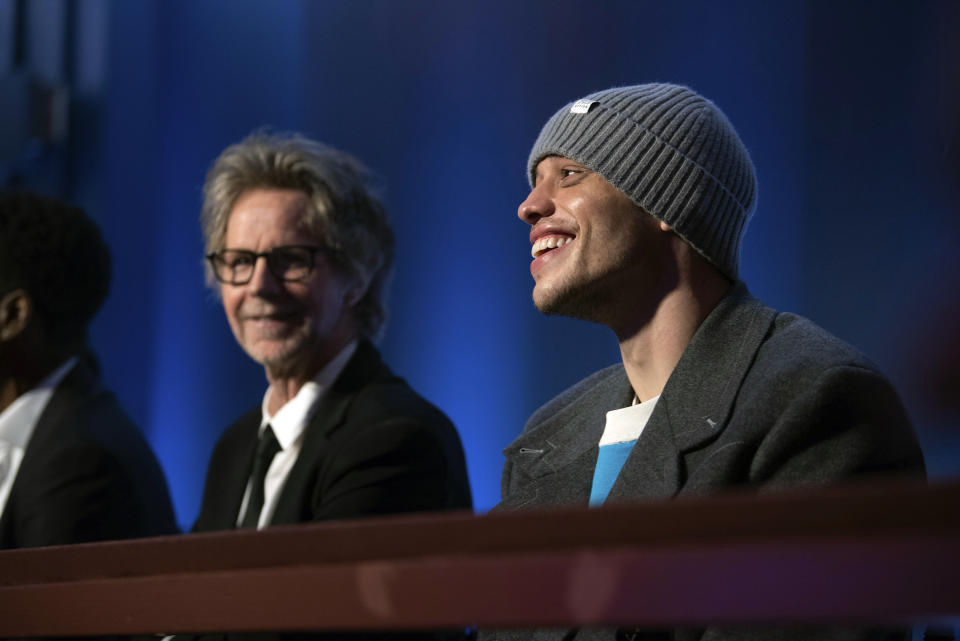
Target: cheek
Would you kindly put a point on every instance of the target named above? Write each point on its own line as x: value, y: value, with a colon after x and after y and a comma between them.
x: 231, y: 304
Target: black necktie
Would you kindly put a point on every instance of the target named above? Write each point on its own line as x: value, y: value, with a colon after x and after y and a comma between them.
x: 266, y: 449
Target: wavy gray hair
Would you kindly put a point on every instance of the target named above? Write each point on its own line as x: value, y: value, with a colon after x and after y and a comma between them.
x: 343, y: 213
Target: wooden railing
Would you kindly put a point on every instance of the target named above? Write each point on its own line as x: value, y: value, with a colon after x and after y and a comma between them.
x: 887, y: 554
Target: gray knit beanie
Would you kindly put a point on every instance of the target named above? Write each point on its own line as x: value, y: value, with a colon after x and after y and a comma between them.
x: 672, y: 152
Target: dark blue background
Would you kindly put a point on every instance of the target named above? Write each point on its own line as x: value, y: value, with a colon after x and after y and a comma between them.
x: 849, y: 110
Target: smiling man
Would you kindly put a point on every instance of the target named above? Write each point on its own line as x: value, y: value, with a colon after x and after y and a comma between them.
x: 640, y: 196
x: 300, y: 253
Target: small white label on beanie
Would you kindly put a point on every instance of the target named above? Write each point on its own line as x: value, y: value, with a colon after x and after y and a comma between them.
x: 583, y: 105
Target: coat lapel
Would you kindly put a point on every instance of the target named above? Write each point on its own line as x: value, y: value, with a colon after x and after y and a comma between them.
x: 693, y: 410
x: 80, y: 383
x: 697, y: 401
x: 228, y: 474
x: 566, y: 444
x: 329, y: 416
x: 236, y: 475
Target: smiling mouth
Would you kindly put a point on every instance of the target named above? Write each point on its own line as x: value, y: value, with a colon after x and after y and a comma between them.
x: 278, y: 317
x: 549, y: 243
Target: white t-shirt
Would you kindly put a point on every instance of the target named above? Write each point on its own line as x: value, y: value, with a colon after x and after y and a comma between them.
x: 627, y: 423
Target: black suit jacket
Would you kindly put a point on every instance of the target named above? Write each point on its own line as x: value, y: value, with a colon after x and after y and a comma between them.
x: 374, y: 446
x: 87, y: 474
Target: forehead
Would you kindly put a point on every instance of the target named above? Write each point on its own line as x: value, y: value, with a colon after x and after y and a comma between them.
x: 267, y: 214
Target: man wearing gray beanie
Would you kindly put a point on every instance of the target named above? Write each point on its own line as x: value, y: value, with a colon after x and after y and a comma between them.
x: 640, y: 197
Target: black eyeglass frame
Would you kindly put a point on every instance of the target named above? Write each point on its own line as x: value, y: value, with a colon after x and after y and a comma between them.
x: 269, y: 256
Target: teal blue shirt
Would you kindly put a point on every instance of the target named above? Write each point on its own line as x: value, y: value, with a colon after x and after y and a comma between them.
x: 609, y: 461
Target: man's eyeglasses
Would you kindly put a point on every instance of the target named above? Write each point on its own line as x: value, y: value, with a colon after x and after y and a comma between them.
x: 290, y: 263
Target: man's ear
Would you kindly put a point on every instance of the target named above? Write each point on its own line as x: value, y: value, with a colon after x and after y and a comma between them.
x: 16, y: 310
x: 356, y: 289
x: 353, y: 296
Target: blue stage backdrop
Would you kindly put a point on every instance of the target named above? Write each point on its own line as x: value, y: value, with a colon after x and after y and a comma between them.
x: 848, y: 108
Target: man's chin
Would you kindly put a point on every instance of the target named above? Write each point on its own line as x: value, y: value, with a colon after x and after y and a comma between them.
x: 553, y: 305
x: 278, y: 362
x: 566, y: 302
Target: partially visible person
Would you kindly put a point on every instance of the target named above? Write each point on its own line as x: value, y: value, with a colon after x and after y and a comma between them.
x: 73, y: 467
x: 299, y: 252
x: 639, y: 199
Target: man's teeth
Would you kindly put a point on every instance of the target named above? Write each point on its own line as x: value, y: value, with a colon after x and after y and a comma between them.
x: 548, y: 242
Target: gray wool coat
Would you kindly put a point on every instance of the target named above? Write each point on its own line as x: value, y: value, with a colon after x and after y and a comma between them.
x: 759, y: 398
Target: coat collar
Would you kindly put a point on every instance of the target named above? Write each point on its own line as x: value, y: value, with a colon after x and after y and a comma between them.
x: 698, y: 397
x: 80, y: 383
x: 693, y: 410
x: 77, y: 387
x: 565, y: 441
x: 363, y: 366
x: 697, y: 401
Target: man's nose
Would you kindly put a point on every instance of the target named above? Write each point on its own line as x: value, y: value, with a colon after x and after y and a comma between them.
x: 263, y: 279
x: 537, y: 205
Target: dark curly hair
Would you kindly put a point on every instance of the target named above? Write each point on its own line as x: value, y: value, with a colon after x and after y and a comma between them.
x: 56, y: 253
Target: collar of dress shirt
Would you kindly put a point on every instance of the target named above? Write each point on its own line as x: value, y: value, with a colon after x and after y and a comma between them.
x: 291, y: 419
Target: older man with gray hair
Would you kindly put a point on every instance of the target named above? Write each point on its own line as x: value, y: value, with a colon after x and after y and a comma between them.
x: 300, y: 252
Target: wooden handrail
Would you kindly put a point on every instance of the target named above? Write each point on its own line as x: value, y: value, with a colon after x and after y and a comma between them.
x: 885, y: 554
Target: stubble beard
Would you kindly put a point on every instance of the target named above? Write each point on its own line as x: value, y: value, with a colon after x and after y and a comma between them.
x: 573, y: 300
x: 286, y: 359
x: 590, y: 294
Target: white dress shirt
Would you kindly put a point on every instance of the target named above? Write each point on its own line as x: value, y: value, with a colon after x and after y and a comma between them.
x: 17, y: 423
x: 289, y: 424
